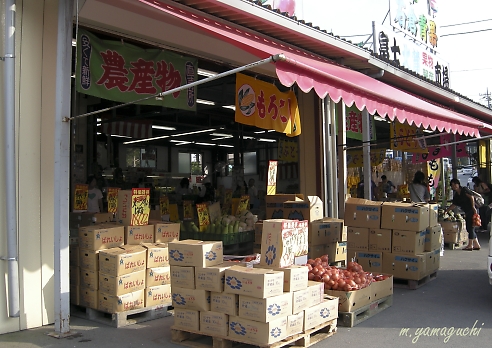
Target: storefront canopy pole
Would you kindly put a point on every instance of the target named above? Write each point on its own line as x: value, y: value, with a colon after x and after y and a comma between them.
x: 270, y: 59
x: 333, y: 158
x: 327, y: 150
x: 9, y: 158
x: 366, y: 153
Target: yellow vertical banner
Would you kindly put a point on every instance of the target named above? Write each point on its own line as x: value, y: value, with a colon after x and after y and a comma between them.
x: 81, y: 196
x: 164, y: 205
x: 272, y: 178
x: 173, y: 213
x: 203, y: 216
x: 188, y: 210
x: 403, y: 138
x: 113, y: 199
x: 140, y: 206
x: 433, y: 175
x: 243, y: 204
x: 261, y: 104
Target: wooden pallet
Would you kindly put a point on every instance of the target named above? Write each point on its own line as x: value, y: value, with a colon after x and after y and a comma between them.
x: 196, y: 339
x: 121, y: 319
x: 351, y: 319
x: 413, y: 284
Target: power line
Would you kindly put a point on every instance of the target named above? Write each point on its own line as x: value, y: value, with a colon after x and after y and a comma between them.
x: 467, y: 32
x: 453, y: 25
x: 471, y: 70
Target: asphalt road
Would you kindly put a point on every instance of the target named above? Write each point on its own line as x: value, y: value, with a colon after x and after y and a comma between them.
x: 457, y: 301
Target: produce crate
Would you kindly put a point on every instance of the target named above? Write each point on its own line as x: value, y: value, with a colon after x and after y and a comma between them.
x: 246, y: 236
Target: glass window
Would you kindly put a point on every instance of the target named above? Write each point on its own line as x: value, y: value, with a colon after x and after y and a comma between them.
x: 190, y: 163
x: 139, y: 157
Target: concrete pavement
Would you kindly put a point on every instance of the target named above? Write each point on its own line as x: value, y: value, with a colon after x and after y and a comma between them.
x: 459, y: 298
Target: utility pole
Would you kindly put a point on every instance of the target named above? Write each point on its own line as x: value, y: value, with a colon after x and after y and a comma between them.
x: 488, y: 97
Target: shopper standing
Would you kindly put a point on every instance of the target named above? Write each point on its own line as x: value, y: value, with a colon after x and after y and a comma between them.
x: 94, y: 199
x: 485, y: 210
x: 419, y: 191
x: 463, y: 198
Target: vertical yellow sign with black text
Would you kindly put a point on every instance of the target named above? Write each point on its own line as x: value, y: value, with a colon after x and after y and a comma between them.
x: 80, y: 197
x: 272, y: 178
x: 113, y: 199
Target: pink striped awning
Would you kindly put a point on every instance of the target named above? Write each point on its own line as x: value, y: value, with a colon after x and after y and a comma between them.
x: 138, y: 130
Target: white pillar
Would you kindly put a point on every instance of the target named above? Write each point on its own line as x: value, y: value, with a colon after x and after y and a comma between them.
x: 366, y: 153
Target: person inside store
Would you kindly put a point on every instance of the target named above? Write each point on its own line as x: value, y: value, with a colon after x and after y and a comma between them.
x: 463, y: 198
x: 374, y: 190
x: 95, y: 196
x: 207, y: 192
x: 254, y: 202
x: 118, y: 179
x: 183, y: 189
x: 419, y: 190
x: 388, y: 186
x: 485, y: 189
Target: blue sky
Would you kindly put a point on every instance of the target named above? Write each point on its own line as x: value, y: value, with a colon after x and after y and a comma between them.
x: 468, y: 57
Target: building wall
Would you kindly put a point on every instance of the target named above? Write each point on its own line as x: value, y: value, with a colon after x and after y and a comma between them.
x: 36, y: 28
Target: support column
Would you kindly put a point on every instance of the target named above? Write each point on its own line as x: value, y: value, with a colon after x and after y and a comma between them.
x: 342, y: 158
x: 366, y: 153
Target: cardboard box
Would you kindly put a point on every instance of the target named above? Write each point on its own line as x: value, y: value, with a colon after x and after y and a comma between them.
x: 89, y: 259
x: 321, y: 313
x: 257, y: 333
x: 265, y: 309
x: 408, y: 242
x: 89, y: 279
x: 361, y: 212
x: 371, y: 261
x: 300, y: 300
x: 120, y: 303
x: 103, y: 236
x: 136, y: 235
x: 349, y: 301
x: 195, y: 253
x: 123, y: 260
x: 316, y: 292
x: 183, y: 277
x: 258, y: 232
x: 275, y: 204
x: 186, y: 319
x: 336, y: 251
x: 380, y: 239
x: 358, y: 238
x: 315, y: 251
x: 278, y: 244
x: 73, y: 253
x: 310, y: 209
x: 165, y: 232
x: 402, y: 266
x: 433, y: 238
x: 134, y: 207
x: 327, y: 230
x: 158, y: 276
x: 452, y: 237
x: 75, y: 295
x: 405, y: 216
x: 211, y: 278
x: 254, y: 282
x: 432, y: 260
x: 295, y: 323
x: 158, y: 295
x: 122, y: 284
x: 295, y: 277
x: 157, y: 254
x: 383, y: 288
x: 433, y: 214
x: 191, y: 299
x: 88, y: 298
x: 74, y: 275
x: 224, y: 303
x: 214, y: 323
x: 452, y: 226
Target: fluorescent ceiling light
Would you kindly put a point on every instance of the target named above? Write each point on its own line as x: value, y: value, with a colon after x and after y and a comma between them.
x: 206, y: 102
x: 206, y: 73
x: 221, y: 138
x: 206, y: 144
x: 194, y: 132
x: 428, y: 131
x: 98, y: 120
x: 148, y: 139
x: 259, y: 132
x: 98, y: 124
x: 232, y: 107
x: 74, y: 42
x: 115, y: 135
x: 247, y: 137
x: 183, y: 143
x: 164, y: 128
x: 267, y: 140
x: 221, y: 135
x: 225, y: 145
x: 271, y: 130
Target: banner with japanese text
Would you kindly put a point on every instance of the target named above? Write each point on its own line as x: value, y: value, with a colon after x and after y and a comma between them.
x: 261, y: 104
x: 355, y: 158
x: 188, y: 210
x: 440, y: 151
x: 122, y: 72
x: 203, y: 216
x: 243, y: 205
x: 353, y: 126
x: 434, y: 173
x: 403, y: 138
x: 81, y: 195
x: 140, y: 206
x: 288, y: 151
x: 164, y: 205
x: 113, y: 199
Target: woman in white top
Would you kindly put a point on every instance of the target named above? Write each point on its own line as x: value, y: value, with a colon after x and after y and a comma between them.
x: 419, y: 191
x: 94, y: 201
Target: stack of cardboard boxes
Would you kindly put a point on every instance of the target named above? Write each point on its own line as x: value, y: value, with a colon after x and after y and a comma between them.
x: 402, y: 239
x: 454, y: 232
x: 328, y: 236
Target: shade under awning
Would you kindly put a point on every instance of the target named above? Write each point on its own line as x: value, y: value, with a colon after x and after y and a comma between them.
x: 310, y: 71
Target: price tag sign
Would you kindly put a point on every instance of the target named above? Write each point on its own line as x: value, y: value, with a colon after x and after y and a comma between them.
x: 187, y: 210
x: 243, y: 205
x: 80, y: 197
x: 203, y: 217
x: 228, y: 197
x: 164, y: 205
x: 214, y: 211
x: 140, y: 206
x: 272, y: 178
x: 173, y: 213
x: 113, y: 199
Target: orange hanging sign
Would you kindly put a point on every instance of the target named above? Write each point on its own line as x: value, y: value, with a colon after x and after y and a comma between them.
x: 81, y: 196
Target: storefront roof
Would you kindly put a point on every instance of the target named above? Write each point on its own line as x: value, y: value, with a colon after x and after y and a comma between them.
x: 310, y: 71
